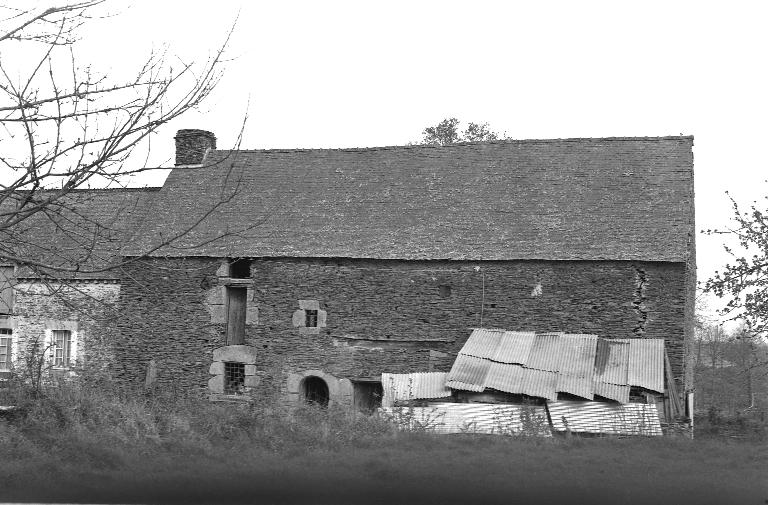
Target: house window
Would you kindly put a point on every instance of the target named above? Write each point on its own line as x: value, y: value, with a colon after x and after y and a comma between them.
x: 6, y: 341
x: 310, y: 318
x: 62, y: 348
x: 234, y: 378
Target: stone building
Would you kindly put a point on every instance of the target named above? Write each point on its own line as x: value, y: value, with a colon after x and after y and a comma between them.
x: 62, y: 305
x: 309, y: 273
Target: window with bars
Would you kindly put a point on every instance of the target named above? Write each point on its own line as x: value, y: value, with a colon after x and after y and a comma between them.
x: 234, y: 378
x: 6, y: 342
x: 310, y: 318
x: 62, y: 348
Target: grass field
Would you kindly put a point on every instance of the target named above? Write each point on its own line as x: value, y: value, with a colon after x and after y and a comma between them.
x: 76, y: 446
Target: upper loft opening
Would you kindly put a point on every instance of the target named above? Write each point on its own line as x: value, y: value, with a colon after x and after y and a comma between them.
x: 240, y: 268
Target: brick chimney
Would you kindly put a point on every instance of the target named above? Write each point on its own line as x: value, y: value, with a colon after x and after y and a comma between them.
x: 191, y: 146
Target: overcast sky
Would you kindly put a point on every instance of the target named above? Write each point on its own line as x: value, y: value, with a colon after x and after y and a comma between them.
x: 355, y: 74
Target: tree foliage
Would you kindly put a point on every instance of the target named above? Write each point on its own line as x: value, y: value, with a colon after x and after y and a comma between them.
x: 447, y: 132
x: 743, y: 282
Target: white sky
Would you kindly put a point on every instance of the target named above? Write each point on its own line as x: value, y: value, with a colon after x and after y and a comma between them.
x: 353, y: 74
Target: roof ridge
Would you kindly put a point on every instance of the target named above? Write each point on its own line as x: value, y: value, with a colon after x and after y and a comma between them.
x: 458, y: 144
x: 94, y: 190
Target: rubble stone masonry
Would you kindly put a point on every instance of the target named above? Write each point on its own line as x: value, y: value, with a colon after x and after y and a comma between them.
x: 384, y: 315
x: 86, y: 307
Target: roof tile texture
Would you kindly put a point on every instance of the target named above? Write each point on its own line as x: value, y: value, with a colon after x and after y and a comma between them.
x: 572, y: 199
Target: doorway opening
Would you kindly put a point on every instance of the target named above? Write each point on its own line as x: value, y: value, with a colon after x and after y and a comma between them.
x: 367, y: 395
x: 315, y: 391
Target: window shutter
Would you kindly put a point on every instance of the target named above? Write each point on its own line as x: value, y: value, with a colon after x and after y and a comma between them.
x: 236, y: 315
x: 6, y: 290
x: 298, y: 318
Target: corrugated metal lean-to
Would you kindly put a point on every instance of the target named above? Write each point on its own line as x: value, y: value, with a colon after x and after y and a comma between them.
x: 545, y: 364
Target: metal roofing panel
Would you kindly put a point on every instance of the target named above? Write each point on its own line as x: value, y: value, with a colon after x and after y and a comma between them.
x: 431, y: 385
x: 468, y: 373
x: 577, y: 364
x: 612, y: 361
x: 598, y: 417
x: 500, y: 419
x: 575, y: 385
x: 539, y: 383
x: 414, y: 386
x: 616, y: 392
x: 515, y: 347
x: 544, y: 353
x: 577, y: 355
x: 646, y: 363
x: 482, y: 343
x: 505, y: 377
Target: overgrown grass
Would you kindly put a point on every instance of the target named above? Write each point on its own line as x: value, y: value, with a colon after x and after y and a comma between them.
x: 81, y: 445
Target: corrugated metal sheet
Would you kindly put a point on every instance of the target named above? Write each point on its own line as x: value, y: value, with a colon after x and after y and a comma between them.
x: 646, y: 363
x: 579, y: 386
x: 515, y: 347
x: 578, y: 364
x: 500, y: 419
x: 482, y: 343
x: 505, y: 377
x: 616, y: 392
x: 414, y: 386
x: 545, y: 352
x: 577, y: 355
x: 539, y: 383
x: 606, y: 418
x: 611, y: 370
x: 468, y: 373
x: 612, y: 361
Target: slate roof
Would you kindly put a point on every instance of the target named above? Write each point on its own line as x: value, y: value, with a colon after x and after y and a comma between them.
x: 565, y: 199
x: 85, y: 230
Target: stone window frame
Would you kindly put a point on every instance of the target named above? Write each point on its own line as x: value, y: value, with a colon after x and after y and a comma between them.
x: 299, y: 318
x: 216, y: 299
x: 244, y: 354
x: 49, y: 343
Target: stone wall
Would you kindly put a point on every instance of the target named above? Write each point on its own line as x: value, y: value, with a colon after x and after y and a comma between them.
x: 87, y: 308
x: 391, y: 316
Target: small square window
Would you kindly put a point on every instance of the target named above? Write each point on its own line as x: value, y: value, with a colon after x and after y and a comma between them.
x: 234, y: 378
x: 311, y: 318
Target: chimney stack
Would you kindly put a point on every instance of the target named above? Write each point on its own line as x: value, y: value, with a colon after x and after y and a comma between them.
x: 191, y: 146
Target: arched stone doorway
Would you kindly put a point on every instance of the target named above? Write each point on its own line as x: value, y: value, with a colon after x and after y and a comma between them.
x: 315, y: 391
x: 337, y: 391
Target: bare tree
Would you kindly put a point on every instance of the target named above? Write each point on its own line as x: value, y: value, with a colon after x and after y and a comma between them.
x: 66, y: 127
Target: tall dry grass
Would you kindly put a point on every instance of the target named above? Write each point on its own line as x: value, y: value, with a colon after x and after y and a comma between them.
x: 81, y: 444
